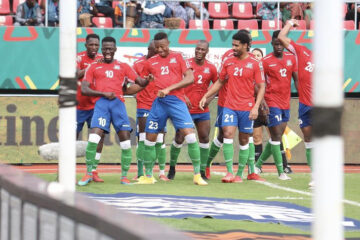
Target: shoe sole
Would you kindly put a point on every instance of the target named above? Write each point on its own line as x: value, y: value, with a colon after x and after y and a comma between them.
x: 227, y: 181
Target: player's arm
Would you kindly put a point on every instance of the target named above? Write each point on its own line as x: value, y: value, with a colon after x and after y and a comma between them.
x: 133, y: 89
x: 87, y: 91
x: 296, y: 80
x: 260, y: 84
x: 284, y: 32
x: 80, y: 73
x: 186, y: 81
x: 210, y: 93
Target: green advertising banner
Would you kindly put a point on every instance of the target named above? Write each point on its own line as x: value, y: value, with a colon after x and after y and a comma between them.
x: 30, y: 55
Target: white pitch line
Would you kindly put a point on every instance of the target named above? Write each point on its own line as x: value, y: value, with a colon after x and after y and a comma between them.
x: 272, y: 185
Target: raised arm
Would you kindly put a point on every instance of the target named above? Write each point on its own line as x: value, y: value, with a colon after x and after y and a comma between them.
x: 285, y: 31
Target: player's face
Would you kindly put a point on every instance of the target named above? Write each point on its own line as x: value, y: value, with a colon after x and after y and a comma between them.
x: 201, y: 50
x: 257, y: 54
x: 162, y: 47
x: 92, y: 47
x: 108, y: 50
x: 239, y: 48
x: 277, y: 46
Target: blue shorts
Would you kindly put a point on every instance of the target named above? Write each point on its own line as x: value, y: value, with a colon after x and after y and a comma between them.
x: 83, y: 116
x: 219, y: 116
x: 304, y: 115
x: 239, y: 119
x: 168, y: 107
x: 278, y: 116
x: 198, y: 117
x: 142, y: 113
x: 108, y: 112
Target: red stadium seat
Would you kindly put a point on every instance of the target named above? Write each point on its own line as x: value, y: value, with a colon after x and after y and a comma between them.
x: 196, y: 24
x: 312, y: 25
x: 248, y: 24
x: 115, y: 3
x: 102, y: 22
x: 271, y: 25
x: 4, y: 7
x: 182, y: 24
x: 242, y: 10
x: 6, y: 20
x: 218, y: 10
x: 349, y: 25
x: 223, y: 24
x: 258, y: 6
x: 302, y: 25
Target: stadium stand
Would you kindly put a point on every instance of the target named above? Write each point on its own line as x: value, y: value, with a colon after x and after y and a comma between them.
x: 302, y: 25
x: 196, y: 24
x: 6, y: 20
x: 349, y: 25
x: 102, y: 22
x: 251, y: 24
x: 271, y: 25
x: 242, y: 10
x: 4, y: 7
x: 218, y: 10
x: 15, y: 4
x: 40, y: 210
x: 223, y: 24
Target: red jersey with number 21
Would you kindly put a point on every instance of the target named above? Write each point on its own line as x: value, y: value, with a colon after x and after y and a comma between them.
x: 203, y: 76
x: 168, y: 71
x: 242, y: 75
x: 110, y: 77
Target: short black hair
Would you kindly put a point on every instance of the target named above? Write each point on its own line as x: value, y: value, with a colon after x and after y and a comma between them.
x: 242, y: 37
x: 275, y: 34
x: 258, y: 49
x: 160, y: 36
x: 92, y: 35
x: 109, y: 39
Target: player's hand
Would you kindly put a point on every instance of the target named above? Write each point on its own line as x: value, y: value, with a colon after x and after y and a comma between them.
x: 109, y: 95
x: 294, y: 22
x: 163, y: 92
x: 202, y: 103
x: 254, y: 112
x: 264, y: 108
x: 150, y: 77
x: 188, y: 103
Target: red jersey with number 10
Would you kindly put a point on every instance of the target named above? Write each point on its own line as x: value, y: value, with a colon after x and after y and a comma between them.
x: 203, y: 75
x: 242, y: 75
x: 278, y: 72
x: 168, y: 71
x: 110, y: 77
x: 83, y: 61
x: 145, y: 97
x: 305, y: 68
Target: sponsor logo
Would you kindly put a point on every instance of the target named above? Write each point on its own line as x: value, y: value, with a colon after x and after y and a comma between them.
x: 126, y: 125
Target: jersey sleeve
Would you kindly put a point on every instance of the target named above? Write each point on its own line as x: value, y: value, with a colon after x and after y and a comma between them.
x: 184, y: 64
x: 222, y: 74
x: 78, y: 62
x: 130, y: 73
x: 89, y: 74
x: 293, y: 47
x: 295, y: 65
x: 214, y: 74
x: 259, y: 72
x: 139, y: 68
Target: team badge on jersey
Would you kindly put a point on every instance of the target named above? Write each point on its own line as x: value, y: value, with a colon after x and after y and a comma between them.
x: 249, y: 65
x: 206, y: 70
x: 173, y: 60
x: 288, y: 62
x: 117, y: 67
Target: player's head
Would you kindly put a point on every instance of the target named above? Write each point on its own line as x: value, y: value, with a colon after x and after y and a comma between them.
x: 151, y: 49
x: 258, y: 54
x: 92, y: 44
x: 108, y: 49
x: 161, y: 44
x: 201, y: 49
x: 275, y: 42
x: 30, y: 3
x: 249, y: 34
x: 240, y: 43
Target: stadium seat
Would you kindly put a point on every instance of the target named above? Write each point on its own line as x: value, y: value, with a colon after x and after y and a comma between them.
x: 302, y: 25
x: 258, y: 6
x: 349, y: 25
x: 312, y: 24
x: 102, y: 22
x: 196, y: 24
x: 248, y: 24
x: 242, y: 10
x: 4, y: 7
x: 182, y: 24
x: 218, y: 10
x: 6, y: 20
x: 223, y: 24
x: 16, y: 3
x: 271, y: 25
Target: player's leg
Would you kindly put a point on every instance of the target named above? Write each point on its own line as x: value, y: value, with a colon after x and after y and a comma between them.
x: 203, y: 128
x: 174, y: 153
x: 141, y: 122
x: 160, y: 149
x: 257, y: 138
x: 306, y: 129
x: 99, y: 148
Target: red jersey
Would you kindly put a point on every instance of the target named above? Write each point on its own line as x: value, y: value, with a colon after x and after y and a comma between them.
x: 203, y: 75
x: 278, y: 74
x: 110, y: 77
x: 145, y: 97
x: 305, y: 68
x: 241, y: 76
x: 168, y: 71
x: 82, y: 62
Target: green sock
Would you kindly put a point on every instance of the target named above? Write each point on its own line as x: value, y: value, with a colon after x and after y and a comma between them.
x: 162, y: 157
x: 96, y: 161
x: 228, y: 150
x: 140, y: 158
x: 194, y: 154
x: 243, y: 158
x: 308, y: 157
x: 212, y: 153
x: 276, y: 152
x: 149, y: 158
x: 174, y: 154
x: 264, y: 155
x: 251, y: 160
x: 204, y: 155
x: 90, y: 156
x: 126, y: 156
